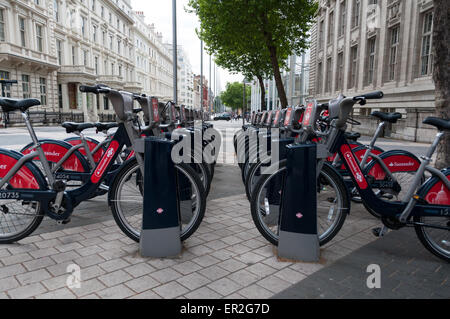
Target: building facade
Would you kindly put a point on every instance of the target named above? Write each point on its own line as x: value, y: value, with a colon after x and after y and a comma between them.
x: 153, y: 60
x: 51, y: 47
x: 361, y: 46
x: 199, y: 103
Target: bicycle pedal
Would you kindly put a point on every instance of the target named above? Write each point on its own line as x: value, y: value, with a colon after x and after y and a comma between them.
x: 64, y: 222
x: 379, y: 232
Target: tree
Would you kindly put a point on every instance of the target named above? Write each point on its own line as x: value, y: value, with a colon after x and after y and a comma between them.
x: 233, y: 96
x: 274, y: 29
x: 441, y: 73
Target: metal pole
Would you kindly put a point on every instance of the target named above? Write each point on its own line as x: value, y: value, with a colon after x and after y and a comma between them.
x: 175, y: 53
x: 302, y: 80
x: 243, y: 106
x: 201, y: 74
x: 210, y: 85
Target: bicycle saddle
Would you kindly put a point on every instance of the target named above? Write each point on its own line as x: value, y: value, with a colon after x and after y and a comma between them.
x: 106, y: 126
x: 387, y: 117
x: 12, y: 105
x: 440, y: 124
x: 77, y: 127
x: 352, y: 136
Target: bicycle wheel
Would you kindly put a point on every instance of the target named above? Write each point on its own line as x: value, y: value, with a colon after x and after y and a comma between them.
x: 204, y: 173
x: 436, y: 241
x: 403, y: 167
x: 127, y: 201
x: 333, y: 204
x: 19, y: 218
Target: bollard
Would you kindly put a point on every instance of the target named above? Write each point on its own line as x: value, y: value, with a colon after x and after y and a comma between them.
x: 298, y: 238
x: 161, y: 234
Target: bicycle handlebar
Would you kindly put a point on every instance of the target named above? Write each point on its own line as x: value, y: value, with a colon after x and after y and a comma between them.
x: 370, y: 96
x: 97, y: 89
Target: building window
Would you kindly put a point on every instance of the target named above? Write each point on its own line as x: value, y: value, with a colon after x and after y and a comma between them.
x: 102, y: 12
x: 96, y: 65
x: 39, y: 38
x: 319, y: 77
x: 93, y: 5
x: 4, y: 75
x: 371, y: 45
x: 393, y: 52
x: 112, y: 69
x: 356, y: 13
x: 83, y: 26
x: 329, y: 75
x: 331, y: 28
x: 56, y: 10
x: 426, y: 58
x: 105, y: 103
x: 74, y: 57
x: 2, y: 25
x: 43, y: 90
x: 321, y: 37
x: 342, y: 18
x: 111, y: 39
x: 105, y: 67
x: 60, y: 96
x: 353, y: 66
x: 22, y: 31
x: 59, y: 51
x: 120, y: 70
x: 85, y: 58
x: 94, y: 36
x: 26, y: 86
x: 340, y: 72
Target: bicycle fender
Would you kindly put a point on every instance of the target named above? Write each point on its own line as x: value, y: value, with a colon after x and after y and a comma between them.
x: 434, y: 191
x: 28, y: 177
x: 55, y: 150
x: 396, y: 161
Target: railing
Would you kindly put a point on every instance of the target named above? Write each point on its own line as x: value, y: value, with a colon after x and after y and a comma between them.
x: 45, y: 118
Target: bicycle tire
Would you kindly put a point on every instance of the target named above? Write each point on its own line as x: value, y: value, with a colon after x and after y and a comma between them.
x: 132, y: 234
x: 332, y: 174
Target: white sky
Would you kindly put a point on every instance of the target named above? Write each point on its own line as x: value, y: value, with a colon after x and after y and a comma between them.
x: 159, y: 12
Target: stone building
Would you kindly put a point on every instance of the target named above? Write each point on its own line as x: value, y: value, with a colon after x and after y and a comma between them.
x: 366, y: 45
x: 51, y: 47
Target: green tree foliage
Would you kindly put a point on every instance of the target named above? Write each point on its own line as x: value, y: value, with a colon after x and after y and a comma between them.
x: 248, y: 36
x: 233, y: 96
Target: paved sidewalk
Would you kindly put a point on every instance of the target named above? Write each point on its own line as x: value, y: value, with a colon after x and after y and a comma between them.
x: 225, y: 258
x: 408, y: 270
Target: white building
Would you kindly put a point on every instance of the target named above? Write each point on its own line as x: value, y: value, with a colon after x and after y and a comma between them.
x: 51, y: 47
x: 154, y: 66
x: 185, y: 79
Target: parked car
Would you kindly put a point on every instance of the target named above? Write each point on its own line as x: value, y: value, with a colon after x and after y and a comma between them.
x: 222, y: 117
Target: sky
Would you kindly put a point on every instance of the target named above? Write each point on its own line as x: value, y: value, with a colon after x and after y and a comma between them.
x: 159, y: 12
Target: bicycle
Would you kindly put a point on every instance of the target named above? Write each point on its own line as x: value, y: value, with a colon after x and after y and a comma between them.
x: 425, y: 206
x: 26, y: 195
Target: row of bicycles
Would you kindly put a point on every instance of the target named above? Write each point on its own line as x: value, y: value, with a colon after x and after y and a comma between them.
x: 53, y: 177
x: 394, y: 186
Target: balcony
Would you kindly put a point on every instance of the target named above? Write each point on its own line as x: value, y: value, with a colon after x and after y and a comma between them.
x: 76, y: 74
x: 17, y: 56
x: 111, y: 80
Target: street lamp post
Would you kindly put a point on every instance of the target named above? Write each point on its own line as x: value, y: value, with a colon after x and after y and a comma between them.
x: 175, y: 53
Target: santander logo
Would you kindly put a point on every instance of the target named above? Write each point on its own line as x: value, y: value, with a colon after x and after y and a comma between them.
x: 354, y: 167
x: 409, y: 164
x: 52, y: 154
x: 105, y: 162
x: 3, y: 167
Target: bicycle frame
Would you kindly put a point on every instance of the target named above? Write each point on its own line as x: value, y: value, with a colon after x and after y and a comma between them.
x: 402, y: 210
x: 73, y: 197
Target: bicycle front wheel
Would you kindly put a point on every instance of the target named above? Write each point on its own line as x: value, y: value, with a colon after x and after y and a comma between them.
x: 333, y: 204
x: 127, y: 200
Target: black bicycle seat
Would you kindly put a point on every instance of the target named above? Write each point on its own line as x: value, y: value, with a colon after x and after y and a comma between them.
x: 12, y: 105
x: 77, y: 127
x: 440, y: 124
x: 387, y: 117
x: 352, y: 136
x: 106, y: 126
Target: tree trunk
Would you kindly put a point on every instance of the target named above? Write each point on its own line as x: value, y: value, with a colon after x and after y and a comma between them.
x: 278, y: 80
x: 274, y: 61
x: 441, y: 74
x: 263, y: 93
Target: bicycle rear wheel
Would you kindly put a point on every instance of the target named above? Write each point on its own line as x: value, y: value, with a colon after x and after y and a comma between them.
x: 127, y: 200
x: 333, y: 204
x: 436, y: 241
